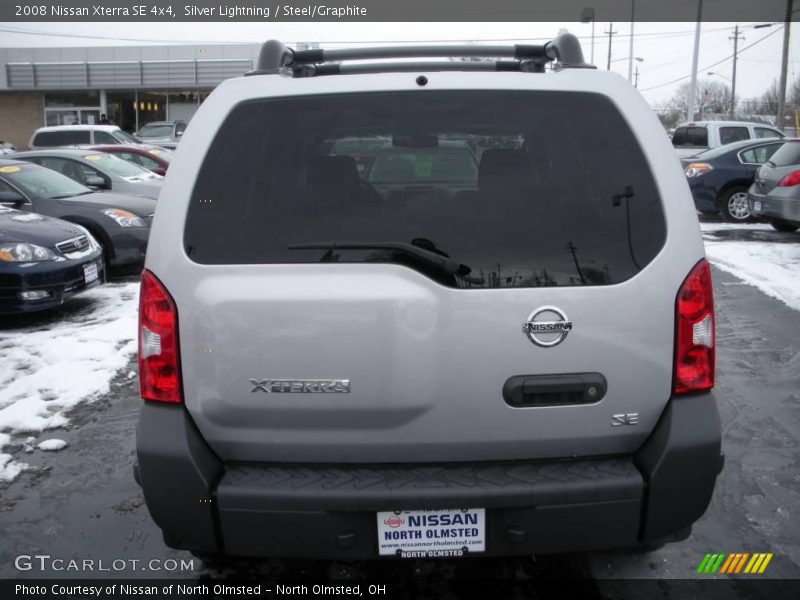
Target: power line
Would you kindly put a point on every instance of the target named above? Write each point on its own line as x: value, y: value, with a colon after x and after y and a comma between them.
x: 652, y: 34
x: 719, y: 62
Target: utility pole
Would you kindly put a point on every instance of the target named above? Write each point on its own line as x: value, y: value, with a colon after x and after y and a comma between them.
x: 636, y: 77
x: 787, y: 24
x: 572, y: 248
x: 736, y: 37
x: 630, y: 47
x: 610, y: 33
x: 695, y: 55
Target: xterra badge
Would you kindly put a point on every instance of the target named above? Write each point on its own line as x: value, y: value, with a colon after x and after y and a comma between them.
x: 301, y: 386
x: 547, y: 326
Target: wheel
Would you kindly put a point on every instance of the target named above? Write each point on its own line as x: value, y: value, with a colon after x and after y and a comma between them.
x: 784, y: 227
x: 733, y: 205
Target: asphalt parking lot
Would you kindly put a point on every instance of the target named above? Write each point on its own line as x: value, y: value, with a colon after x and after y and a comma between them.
x: 82, y: 502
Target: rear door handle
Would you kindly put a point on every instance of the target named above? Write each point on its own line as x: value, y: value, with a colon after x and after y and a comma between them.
x: 554, y: 390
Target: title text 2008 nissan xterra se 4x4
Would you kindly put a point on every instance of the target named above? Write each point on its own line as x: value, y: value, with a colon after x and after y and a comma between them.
x: 426, y: 309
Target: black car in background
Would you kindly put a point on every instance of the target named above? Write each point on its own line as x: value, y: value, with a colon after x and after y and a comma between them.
x: 44, y: 261
x: 719, y: 178
x: 120, y: 223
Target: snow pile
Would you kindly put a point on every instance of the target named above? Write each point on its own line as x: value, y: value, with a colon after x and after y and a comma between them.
x: 47, y: 369
x: 769, y: 262
x: 52, y: 445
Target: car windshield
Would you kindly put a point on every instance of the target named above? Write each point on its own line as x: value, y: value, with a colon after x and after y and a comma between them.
x: 430, y: 165
x: 162, y: 153
x: 155, y: 131
x: 111, y: 164
x: 41, y: 182
x: 124, y: 137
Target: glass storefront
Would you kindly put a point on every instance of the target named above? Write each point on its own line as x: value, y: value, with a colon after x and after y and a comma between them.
x: 130, y: 110
x: 72, y: 108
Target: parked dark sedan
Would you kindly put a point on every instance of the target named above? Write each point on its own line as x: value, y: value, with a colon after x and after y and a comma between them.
x: 44, y: 261
x: 719, y: 178
x: 120, y: 223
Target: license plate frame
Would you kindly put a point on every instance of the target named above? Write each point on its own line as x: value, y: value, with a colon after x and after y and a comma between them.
x: 436, y: 533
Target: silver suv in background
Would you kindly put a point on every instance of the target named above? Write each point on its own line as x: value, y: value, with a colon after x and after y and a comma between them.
x: 502, y: 350
x: 166, y: 134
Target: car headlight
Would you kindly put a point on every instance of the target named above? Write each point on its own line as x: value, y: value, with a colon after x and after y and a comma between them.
x: 26, y: 253
x: 124, y: 218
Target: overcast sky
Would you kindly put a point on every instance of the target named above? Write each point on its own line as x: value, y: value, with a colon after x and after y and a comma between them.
x: 665, y: 47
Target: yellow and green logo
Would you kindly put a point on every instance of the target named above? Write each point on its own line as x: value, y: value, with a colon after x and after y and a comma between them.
x: 737, y: 562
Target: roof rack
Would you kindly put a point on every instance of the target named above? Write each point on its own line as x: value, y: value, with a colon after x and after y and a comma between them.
x: 274, y: 57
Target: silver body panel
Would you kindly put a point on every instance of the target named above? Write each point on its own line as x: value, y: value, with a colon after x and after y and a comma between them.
x: 426, y: 363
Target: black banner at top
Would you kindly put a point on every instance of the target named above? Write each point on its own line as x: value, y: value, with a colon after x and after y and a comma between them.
x: 394, y: 10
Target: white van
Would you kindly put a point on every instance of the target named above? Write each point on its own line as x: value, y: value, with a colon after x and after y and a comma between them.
x: 78, y: 135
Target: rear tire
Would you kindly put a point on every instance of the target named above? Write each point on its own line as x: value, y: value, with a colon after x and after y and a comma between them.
x: 784, y: 227
x: 733, y: 205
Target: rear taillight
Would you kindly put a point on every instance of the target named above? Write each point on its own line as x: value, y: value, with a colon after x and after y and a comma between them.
x: 694, y: 332
x: 791, y: 179
x: 159, y: 373
x: 697, y: 169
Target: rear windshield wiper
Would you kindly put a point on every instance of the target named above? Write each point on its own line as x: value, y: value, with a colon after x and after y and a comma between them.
x: 444, y: 264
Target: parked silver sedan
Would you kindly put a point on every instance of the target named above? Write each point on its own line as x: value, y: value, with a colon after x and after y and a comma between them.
x: 97, y: 170
x: 775, y: 193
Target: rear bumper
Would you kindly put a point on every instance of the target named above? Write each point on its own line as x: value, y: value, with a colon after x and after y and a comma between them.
x: 327, y: 511
x: 781, y: 204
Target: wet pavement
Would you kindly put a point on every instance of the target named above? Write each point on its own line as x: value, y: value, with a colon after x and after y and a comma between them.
x: 84, y: 504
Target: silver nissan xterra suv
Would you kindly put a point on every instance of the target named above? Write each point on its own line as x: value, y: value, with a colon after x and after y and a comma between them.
x: 423, y: 309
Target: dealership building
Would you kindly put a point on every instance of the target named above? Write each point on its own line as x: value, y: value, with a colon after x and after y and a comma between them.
x: 132, y: 85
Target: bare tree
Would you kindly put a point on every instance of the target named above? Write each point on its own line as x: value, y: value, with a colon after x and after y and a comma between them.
x: 712, y: 97
x: 768, y: 103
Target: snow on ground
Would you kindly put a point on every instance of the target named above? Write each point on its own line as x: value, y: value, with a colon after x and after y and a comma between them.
x: 47, y: 369
x: 767, y: 260
x: 52, y: 445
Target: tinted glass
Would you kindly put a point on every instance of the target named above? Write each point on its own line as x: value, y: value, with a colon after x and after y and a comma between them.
x: 523, y: 189
x: 434, y: 165
x: 40, y: 182
x: 760, y: 154
x: 728, y: 135
x: 763, y: 132
x: 787, y: 155
x: 690, y: 136
x: 155, y: 131
x: 103, y: 137
x: 49, y: 139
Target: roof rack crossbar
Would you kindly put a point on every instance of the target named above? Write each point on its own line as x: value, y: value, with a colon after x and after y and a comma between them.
x: 274, y: 57
x: 315, y: 70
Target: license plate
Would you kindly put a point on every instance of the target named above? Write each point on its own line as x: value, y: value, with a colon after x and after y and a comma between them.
x: 90, y: 273
x: 757, y: 206
x: 432, y: 533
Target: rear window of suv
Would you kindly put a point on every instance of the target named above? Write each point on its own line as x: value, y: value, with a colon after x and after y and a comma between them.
x: 518, y: 189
